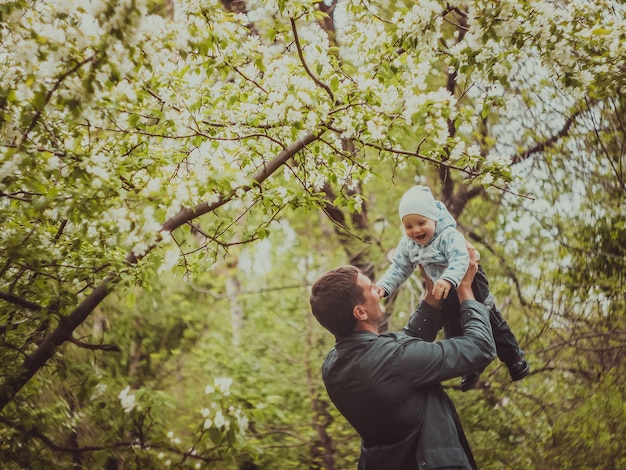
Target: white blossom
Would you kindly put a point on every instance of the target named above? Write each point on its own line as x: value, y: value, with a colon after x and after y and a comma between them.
x: 498, y: 160
x: 99, y: 390
x: 127, y: 400
x: 223, y: 384
x: 219, y: 419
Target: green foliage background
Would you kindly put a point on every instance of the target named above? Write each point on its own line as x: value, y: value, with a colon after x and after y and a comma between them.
x: 145, y: 380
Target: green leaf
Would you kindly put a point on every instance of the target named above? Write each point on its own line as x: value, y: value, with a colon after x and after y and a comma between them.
x: 130, y: 299
x: 39, y: 99
x: 215, y: 435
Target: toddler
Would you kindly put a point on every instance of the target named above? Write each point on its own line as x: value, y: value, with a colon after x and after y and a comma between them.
x: 432, y: 241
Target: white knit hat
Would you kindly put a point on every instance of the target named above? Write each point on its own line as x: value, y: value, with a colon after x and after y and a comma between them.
x: 419, y: 200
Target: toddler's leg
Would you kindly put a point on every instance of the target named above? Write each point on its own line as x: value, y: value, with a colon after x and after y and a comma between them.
x: 507, y: 347
x: 424, y: 324
x: 452, y: 327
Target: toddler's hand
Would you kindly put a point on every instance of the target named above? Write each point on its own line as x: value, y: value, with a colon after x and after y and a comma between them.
x: 381, y: 292
x: 441, y: 289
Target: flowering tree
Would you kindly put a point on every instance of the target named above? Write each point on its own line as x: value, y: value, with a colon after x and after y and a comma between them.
x: 127, y: 136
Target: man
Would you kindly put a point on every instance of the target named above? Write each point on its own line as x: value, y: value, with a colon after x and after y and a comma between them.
x: 388, y: 386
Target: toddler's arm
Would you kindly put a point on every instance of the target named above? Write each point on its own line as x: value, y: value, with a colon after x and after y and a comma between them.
x: 400, y: 270
x: 381, y: 292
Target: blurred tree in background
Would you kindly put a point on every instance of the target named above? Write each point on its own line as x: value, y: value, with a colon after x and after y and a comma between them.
x: 174, y: 175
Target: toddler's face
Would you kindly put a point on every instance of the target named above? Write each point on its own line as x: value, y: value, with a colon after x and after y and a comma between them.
x: 418, y: 228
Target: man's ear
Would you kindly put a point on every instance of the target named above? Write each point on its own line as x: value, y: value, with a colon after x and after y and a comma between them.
x: 359, y: 313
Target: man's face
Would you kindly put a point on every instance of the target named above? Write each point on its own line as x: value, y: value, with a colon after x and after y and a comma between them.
x: 418, y: 228
x: 371, y: 304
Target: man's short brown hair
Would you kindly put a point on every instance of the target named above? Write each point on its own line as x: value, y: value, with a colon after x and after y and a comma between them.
x: 333, y: 298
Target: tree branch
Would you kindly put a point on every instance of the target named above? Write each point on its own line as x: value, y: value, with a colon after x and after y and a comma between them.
x: 15, y: 300
x: 304, y: 64
x: 57, y: 84
x: 94, y: 347
x: 63, y: 332
x: 550, y: 142
x: 34, y: 432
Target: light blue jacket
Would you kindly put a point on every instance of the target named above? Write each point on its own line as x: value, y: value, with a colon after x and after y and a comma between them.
x: 444, y: 257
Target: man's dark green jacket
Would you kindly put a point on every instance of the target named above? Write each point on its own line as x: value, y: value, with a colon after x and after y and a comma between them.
x: 388, y: 387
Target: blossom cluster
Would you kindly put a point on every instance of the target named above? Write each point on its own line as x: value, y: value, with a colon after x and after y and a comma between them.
x: 113, y: 120
x: 220, y: 415
x: 127, y: 400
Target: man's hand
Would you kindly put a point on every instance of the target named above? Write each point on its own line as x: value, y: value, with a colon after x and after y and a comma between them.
x: 465, y: 287
x: 441, y: 289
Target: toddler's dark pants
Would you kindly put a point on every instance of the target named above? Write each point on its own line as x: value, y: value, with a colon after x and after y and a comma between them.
x: 507, y: 346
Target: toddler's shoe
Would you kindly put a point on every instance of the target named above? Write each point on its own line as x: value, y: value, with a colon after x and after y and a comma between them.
x: 519, y: 369
x: 469, y: 381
